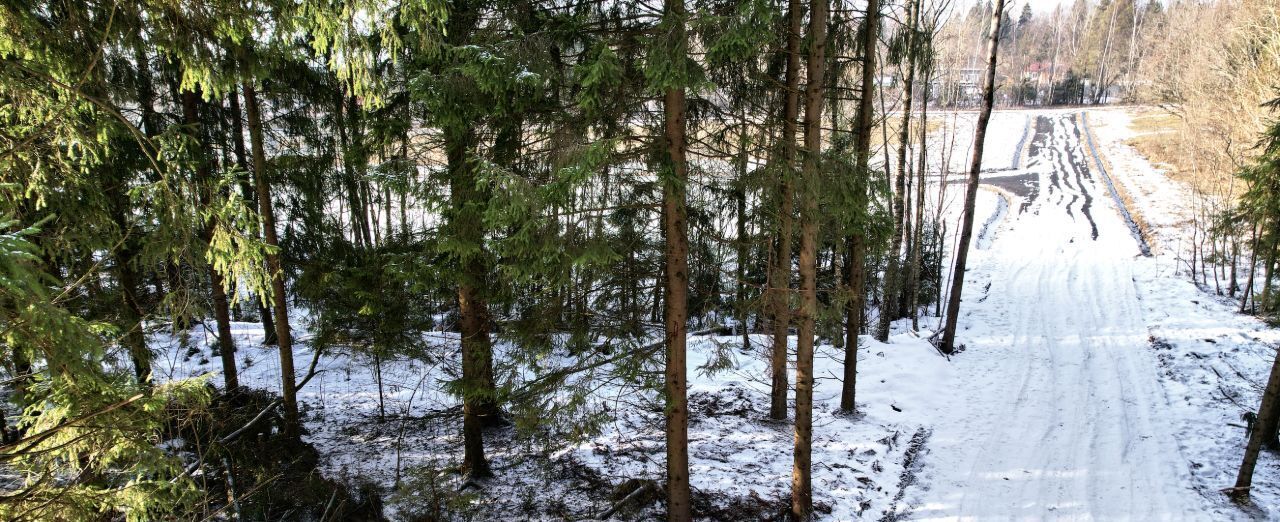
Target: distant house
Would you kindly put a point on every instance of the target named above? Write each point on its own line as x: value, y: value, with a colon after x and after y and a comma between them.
x: 969, y: 77
x: 1038, y: 72
x: 958, y: 87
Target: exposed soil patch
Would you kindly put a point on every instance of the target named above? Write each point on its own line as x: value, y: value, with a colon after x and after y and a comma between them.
x: 1123, y: 202
x: 1026, y: 186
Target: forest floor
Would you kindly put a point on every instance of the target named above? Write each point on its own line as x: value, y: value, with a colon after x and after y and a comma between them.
x: 1096, y: 383
x: 741, y: 461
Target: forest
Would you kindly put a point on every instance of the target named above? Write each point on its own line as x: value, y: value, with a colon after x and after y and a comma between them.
x: 436, y: 260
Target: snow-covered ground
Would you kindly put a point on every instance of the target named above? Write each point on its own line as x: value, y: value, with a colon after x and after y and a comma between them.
x: 1212, y: 360
x: 858, y: 460
x: 741, y: 461
x: 1096, y: 383
x: 1057, y: 410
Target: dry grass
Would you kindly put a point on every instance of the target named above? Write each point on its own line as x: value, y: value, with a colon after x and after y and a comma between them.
x: 894, y: 124
x: 1157, y: 137
x: 1166, y: 141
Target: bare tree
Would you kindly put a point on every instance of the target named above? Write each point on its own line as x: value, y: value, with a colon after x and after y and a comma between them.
x: 892, y: 276
x: 975, y: 172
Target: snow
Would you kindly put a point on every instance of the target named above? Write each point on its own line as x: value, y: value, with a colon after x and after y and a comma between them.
x: 1065, y: 409
x: 857, y: 459
x: 1095, y: 383
x: 1213, y: 361
x: 737, y: 454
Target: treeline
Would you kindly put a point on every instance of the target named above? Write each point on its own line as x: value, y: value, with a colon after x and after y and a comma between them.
x: 1085, y: 52
x: 572, y: 181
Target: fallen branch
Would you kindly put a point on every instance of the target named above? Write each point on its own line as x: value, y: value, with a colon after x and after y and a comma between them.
x: 1224, y: 391
x: 311, y: 372
x: 556, y: 376
x: 236, y: 434
x: 933, y: 341
x: 644, y: 487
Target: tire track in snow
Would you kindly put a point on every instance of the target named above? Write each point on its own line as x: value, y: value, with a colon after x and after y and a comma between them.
x: 1134, y: 229
x: 1056, y: 410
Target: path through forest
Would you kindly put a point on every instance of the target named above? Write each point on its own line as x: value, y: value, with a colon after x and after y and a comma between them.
x: 1057, y: 409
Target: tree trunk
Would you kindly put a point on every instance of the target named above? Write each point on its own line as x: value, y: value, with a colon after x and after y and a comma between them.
x: 247, y: 191
x: 360, y: 164
x: 377, y: 375
x: 835, y: 76
x: 940, y: 238
x: 856, y: 242
x: 1253, y: 269
x: 1233, y: 284
x: 478, y: 405
x: 676, y: 254
x: 204, y: 182
x: 780, y: 271
x: 741, y: 241
x: 1269, y: 425
x: 135, y: 338
x: 971, y: 190
x: 892, y: 275
x: 387, y: 223
x: 131, y: 312
x: 917, y: 243
x: 1264, y: 431
x: 1100, y: 90
x: 1267, y: 274
x: 350, y: 181
x: 801, y: 478
x: 279, y: 301
x: 404, y: 157
x: 1053, y: 61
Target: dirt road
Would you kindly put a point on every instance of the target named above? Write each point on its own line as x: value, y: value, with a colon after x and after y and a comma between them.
x: 1057, y: 410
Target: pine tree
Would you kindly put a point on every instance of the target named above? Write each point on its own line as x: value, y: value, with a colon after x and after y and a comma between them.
x: 279, y: 302
x: 801, y: 475
x: 780, y: 262
x: 217, y: 287
x: 76, y: 168
x: 669, y: 72
x: 857, y: 241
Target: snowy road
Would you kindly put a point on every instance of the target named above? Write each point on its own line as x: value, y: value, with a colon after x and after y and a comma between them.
x: 1056, y: 410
